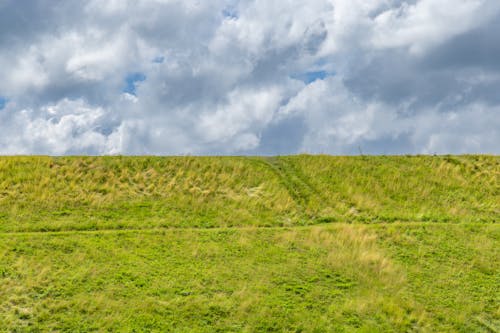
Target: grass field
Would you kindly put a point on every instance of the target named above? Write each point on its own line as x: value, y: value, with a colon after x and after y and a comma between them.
x: 250, y: 244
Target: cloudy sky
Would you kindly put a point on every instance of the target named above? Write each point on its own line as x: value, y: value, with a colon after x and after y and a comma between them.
x: 249, y: 76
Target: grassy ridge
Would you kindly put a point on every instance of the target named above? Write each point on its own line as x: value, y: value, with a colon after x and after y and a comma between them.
x: 402, y: 188
x: 86, y: 193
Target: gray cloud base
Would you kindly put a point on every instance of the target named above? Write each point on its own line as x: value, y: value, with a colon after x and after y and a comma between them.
x: 250, y: 77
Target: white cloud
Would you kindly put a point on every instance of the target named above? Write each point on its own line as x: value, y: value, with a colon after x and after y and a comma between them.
x: 65, y: 127
x: 342, y: 123
x: 430, y: 22
x: 244, y: 110
x: 221, y: 76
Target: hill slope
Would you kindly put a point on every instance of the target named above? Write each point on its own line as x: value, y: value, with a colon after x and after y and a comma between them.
x: 87, y: 193
x: 250, y: 244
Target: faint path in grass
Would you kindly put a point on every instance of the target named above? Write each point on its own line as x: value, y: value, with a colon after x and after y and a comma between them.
x: 297, y: 184
x: 296, y: 189
x: 298, y: 177
x: 235, y: 228
x: 308, y: 197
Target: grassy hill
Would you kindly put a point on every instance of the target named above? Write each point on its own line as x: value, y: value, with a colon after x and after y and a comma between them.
x: 88, y: 193
x: 267, y: 244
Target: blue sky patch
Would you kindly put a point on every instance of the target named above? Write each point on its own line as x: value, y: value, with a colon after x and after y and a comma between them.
x: 159, y: 59
x: 230, y: 13
x: 3, y: 102
x: 131, y: 82
x: 309, y: 77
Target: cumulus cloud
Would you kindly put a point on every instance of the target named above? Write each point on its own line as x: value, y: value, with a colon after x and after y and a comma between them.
x: 249, y: 76
x: 429, y: 22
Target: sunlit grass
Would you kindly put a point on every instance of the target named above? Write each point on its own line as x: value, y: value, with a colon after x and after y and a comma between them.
x: 250, y: 244
x: 402, y: 188
x: 45, y: 193
x: 87, y: 193
x: 452, y: 270
x: 309, y: 279
x: 375, y: 278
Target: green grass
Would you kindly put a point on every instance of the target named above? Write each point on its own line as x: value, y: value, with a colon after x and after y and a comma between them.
x: 88, y: 193
x: 386, y: 189
x: 451, y: 270
x: 264, y: 280
x: 250, y: 244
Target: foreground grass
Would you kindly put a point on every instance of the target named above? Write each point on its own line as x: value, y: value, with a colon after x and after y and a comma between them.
x: 338, y: 278
x: 263, y: 280
x: 452, y: 270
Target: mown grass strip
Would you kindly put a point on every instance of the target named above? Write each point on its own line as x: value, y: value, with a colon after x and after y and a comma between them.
x: 408, y: 224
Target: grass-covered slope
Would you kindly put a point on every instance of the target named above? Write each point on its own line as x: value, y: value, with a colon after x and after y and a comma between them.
x: 86, y: 193
x: 208, y: 280
x: 336, y: 278
x: 385, y: 189
x: 250, y: 244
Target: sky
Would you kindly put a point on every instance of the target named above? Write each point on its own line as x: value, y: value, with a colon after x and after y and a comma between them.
x: 248, y: 77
